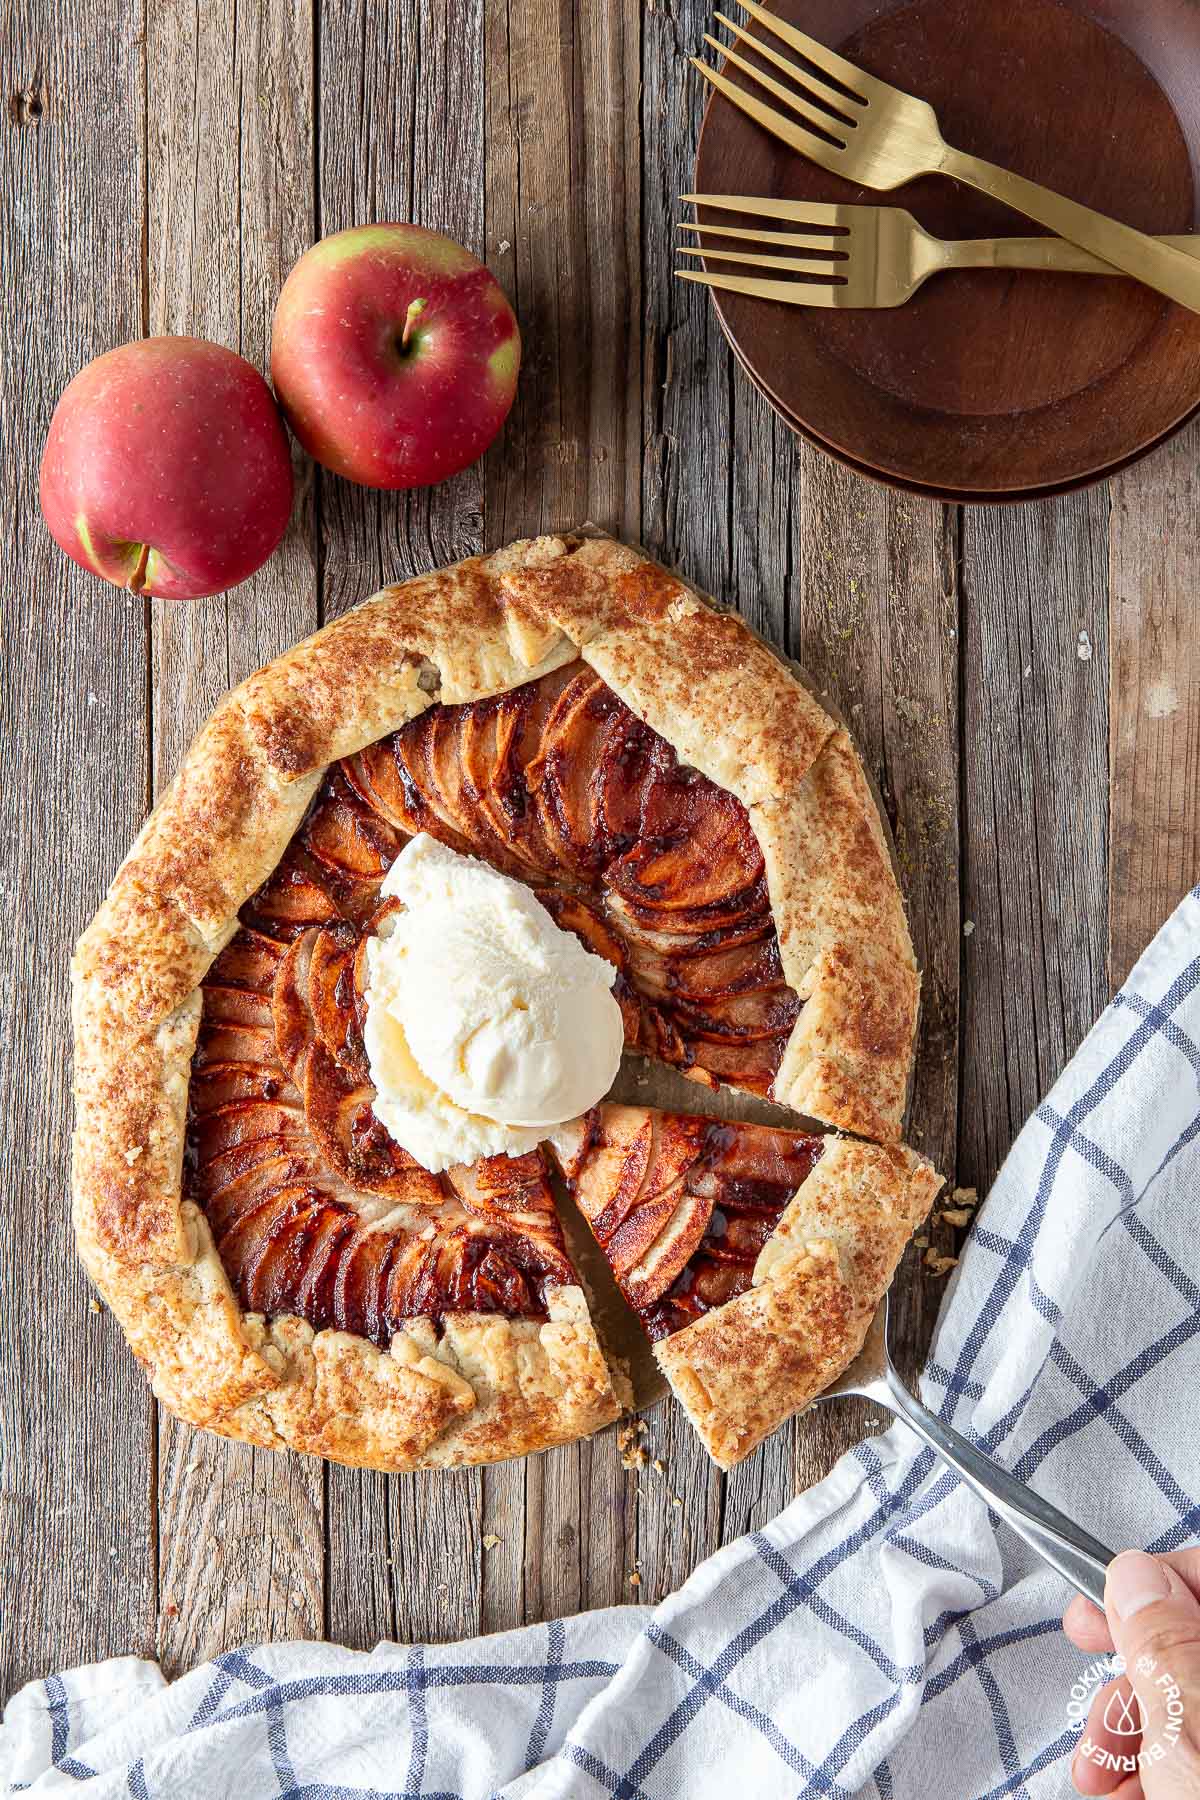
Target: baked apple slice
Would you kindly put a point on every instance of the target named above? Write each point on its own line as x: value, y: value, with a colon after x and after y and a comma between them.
x: 754, y: 1256
x: 558, y: 783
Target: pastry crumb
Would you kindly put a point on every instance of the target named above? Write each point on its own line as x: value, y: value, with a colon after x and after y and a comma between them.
x: 962, y: 1196
x: 490, y: 1541
x: 132, y: 1152
x: 958, y: 1216
x: 921, y: 1242
x: 94, y: 1305
x: 1083, y: 647
x: 635, y: 1579
x: 676, y: 1500
x: 939, y: 1264
x: 633, y: 1454
x: 968, y: 927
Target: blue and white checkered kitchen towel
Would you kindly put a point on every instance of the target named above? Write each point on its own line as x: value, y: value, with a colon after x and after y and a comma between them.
x: 883, y: 1637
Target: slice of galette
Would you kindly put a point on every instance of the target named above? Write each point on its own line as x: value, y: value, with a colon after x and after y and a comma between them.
x: 754, y: 1257
x: 581, y: 720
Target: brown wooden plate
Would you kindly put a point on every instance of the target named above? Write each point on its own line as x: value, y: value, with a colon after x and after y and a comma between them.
x: 992, y: 384
x: 949, y: 496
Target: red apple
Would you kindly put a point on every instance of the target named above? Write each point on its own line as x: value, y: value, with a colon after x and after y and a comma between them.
x: 394, y: 354
x: 167, y: 469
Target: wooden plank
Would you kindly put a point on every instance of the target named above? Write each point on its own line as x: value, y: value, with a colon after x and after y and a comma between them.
x: 1034, y: 762
x: 563, y: 235
x: 76, y: 1520
x: 873, y: 618
x: 401, y: 137
x: 1154, y: 701
x: 229, y: 210
x: 687, y: 522
x: 563, y: 231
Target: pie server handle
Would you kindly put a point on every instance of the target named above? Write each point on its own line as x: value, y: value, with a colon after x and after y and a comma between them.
x: 1080, y: 1558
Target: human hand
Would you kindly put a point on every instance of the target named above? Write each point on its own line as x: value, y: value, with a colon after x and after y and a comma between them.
x: 1142, y: 1737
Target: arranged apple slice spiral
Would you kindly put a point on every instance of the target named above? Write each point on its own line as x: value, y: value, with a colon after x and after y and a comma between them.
x: 315, y: 1209
x: 652, y: 865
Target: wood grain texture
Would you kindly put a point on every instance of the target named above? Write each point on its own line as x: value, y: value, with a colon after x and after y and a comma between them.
x: 76, y: 1438
x: 875, y: 621
x: 1154, y: 705
x: 400, y: 134
x: 228, y: 212
x: 1034, y: 775
x: 563, y: 235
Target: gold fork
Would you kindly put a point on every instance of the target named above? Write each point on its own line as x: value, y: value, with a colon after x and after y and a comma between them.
x: 870, y: 255
x: 870, y: 132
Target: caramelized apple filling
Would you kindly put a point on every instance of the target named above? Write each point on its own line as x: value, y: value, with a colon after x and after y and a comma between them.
x: 681, y: 1206
x: 557, y: 783
x: 314, y: 1208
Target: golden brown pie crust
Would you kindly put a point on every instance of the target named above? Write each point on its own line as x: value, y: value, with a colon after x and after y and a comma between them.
x: 485, y: 1387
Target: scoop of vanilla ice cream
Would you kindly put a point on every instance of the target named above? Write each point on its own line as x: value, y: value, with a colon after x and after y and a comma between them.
x: 486, y: 1023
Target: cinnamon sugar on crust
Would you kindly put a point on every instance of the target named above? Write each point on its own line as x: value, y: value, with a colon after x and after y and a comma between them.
x: 483, y: 1388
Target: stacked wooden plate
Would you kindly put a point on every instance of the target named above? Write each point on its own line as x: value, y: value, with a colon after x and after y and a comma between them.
x: 991, y: 385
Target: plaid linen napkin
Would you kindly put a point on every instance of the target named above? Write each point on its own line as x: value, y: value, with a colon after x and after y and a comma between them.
x: 883, y: 1637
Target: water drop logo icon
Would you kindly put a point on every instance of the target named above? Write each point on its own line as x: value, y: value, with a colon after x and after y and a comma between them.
x: 1123, y: 1714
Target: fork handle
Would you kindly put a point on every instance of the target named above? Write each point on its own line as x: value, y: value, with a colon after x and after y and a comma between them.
x: 1067, y: 1547
x: 1051, y: 253
x: 1149, y: 260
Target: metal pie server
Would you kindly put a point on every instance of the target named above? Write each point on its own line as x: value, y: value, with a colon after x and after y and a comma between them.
x: 1080, y: 1558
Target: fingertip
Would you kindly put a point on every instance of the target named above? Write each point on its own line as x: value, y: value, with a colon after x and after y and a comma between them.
x: 1086, y: 1625
x: 1080, y: 1613
x: 1089, y: 1779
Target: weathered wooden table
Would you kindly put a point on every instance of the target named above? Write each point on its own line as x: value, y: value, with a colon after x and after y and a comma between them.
x: 1023, y: 683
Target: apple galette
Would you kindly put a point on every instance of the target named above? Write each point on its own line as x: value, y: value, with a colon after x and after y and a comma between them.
x: 647, y: 778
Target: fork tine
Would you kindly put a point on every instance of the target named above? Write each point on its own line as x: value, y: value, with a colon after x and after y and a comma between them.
x: 860, y: 84
x: 823, y: 120
x: 830, y: 247
x: 817, y: 149
x: 795, y: 265
x: 793, y: 293
x: 797, y: 212
x: 844, y: 108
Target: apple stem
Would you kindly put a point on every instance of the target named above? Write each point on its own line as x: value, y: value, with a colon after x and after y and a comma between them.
x: 415, y: 309
x: 137, y: 577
